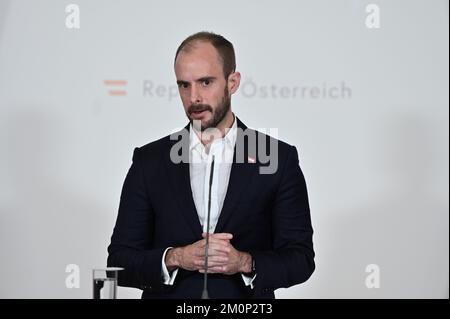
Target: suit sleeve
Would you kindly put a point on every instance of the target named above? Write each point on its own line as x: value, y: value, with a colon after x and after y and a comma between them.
x: 131, y: 241
x: 291, y: 261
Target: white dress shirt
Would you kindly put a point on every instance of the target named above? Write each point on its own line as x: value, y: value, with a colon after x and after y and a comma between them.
x: 200, y: 160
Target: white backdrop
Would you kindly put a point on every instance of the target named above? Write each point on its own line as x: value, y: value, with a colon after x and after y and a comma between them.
x: 373, y: 145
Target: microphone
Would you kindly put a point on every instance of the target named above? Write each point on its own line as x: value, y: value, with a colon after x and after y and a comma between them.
x: 205, y: 294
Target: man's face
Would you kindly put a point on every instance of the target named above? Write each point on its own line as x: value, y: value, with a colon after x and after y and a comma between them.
x: 202, y: 85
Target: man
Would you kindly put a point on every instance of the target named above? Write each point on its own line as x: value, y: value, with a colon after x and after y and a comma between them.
x: 260, y: 233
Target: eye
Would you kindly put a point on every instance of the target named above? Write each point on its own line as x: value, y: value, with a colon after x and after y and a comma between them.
x: 206, y: 82
x: 183, y: 85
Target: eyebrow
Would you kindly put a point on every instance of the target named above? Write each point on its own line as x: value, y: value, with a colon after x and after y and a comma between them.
x: 206, y: 78
x: 181, y: 82
x: 202, y: 79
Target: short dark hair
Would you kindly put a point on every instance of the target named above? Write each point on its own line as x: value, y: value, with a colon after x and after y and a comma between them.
x: 222, y: 45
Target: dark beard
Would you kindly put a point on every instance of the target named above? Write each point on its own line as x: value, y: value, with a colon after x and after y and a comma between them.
x: 217, y: 116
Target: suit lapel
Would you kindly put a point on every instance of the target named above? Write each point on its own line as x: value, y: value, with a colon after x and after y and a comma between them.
x: 178, y: 174
x: 240, y: 175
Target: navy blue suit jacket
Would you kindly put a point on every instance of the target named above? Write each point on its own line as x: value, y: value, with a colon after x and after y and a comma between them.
x: 268, y: 215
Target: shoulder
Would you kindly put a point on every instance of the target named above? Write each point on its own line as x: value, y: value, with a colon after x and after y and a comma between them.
x: 154, y: 150
x: 163, y: 144
x: 155, y: 146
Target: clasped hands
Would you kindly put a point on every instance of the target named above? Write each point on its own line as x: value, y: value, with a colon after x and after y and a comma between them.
x: 223, y: 258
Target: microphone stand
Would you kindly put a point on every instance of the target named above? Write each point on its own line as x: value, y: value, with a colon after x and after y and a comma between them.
x: 205, y: 294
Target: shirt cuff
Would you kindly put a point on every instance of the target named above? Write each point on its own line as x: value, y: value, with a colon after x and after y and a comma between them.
x: 248, y: 281
x: 168, y: 279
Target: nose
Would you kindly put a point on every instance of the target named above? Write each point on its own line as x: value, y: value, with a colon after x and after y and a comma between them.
x: 195, y: 97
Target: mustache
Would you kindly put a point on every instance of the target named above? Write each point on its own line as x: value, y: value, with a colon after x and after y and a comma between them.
x: 199, y: 107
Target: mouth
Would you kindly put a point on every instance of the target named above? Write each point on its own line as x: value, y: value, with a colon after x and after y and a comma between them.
x: 198, y: 114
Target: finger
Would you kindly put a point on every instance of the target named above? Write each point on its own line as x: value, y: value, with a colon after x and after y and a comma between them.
x: 217, y: 241
x: 216, y: 260
x: 226, y: 236
x: 221, y: 242
x: 200, y: 264
x: 219, y: 249
x: 212, y: 265
x: 215, y: 247
x: 216, y: 253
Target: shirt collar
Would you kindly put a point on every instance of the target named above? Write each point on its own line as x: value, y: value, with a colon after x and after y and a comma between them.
x: 229, y: 138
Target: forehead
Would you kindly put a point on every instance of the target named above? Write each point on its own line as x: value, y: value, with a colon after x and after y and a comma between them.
x: 197, y: 60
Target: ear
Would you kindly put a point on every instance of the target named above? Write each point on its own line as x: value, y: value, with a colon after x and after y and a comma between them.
x: 234, y: 80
